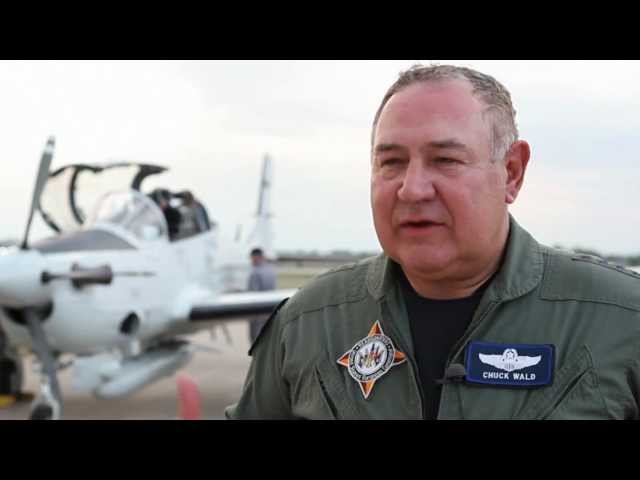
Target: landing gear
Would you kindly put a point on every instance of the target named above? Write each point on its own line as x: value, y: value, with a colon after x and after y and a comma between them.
x: 48, y: 406
x: 42, y: 412
x: 45, y: 407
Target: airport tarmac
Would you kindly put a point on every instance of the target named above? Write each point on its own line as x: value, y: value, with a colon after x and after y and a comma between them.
x: 219, y: 376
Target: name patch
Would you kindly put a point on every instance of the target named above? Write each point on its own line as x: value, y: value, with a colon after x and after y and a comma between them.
x: 509, y: 365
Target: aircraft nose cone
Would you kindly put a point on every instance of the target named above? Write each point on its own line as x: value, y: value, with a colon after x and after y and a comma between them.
x: 20, y: 279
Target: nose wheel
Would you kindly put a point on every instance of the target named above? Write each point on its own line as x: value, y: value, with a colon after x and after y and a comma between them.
x: 48, y: 406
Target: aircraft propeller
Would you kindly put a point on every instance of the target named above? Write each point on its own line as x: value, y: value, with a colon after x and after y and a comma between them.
x: 41, y: 180
x: 50, y: 404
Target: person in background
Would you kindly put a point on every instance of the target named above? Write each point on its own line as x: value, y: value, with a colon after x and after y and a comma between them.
x: 194, y: 216
x: 261, y: 278
x: 171, y: 214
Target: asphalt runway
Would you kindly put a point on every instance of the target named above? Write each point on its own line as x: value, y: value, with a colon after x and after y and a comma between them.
x: 219, y: 377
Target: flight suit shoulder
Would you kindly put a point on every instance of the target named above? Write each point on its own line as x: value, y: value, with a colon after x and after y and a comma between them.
x: 343, y: 284
x: 571, y: 276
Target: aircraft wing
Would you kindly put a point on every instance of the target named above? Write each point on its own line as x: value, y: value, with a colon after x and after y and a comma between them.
x: 230, y: 306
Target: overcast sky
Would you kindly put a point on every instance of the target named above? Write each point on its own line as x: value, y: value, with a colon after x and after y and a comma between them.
x: 211, y: 122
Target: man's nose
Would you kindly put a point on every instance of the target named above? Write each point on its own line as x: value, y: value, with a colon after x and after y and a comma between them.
x: 417, y: 184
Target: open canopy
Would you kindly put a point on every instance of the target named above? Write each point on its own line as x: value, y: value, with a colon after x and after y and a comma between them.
x: 72, y: 191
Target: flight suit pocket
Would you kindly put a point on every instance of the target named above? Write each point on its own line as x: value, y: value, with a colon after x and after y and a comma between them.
x: 574, y: 394
x: 333, y: 394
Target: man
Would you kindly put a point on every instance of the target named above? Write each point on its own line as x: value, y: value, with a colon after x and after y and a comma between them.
x: 194, y: 215
x: 171, y: 214
x: 465, y: 315
x: 262, y: 277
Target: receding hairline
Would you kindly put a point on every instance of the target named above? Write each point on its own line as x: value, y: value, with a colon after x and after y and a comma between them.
x: 449, y: 142
x: 493, y: 96
x: 484, y: 110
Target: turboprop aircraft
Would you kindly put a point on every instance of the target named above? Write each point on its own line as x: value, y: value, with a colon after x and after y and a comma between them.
x: 117, y: 286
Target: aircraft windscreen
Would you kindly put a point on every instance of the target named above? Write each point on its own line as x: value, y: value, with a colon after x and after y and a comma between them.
x: 72, y: 191
x: 92, y: 186
x: 133, y: 211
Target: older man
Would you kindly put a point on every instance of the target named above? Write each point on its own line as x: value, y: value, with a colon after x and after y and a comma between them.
x: 465, y: 315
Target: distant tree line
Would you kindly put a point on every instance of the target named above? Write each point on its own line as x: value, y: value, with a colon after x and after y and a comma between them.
x: 348, y: 255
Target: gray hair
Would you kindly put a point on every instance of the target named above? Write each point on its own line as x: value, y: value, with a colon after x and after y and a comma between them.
x: 494, y: 95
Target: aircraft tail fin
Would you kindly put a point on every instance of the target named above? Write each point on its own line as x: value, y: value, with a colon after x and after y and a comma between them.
x: 262, y: 235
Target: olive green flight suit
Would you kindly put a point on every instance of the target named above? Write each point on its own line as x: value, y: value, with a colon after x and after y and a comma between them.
x: 589, y: 310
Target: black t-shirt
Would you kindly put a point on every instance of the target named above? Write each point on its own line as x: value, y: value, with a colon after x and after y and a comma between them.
x: 436, y: 325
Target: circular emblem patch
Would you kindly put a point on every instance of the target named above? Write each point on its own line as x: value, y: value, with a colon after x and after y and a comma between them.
x: 370, y: 358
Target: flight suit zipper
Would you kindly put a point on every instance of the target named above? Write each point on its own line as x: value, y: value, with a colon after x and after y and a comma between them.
x: 476, y: 321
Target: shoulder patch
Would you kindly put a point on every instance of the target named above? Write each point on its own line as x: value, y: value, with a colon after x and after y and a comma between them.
x: 266, y: 325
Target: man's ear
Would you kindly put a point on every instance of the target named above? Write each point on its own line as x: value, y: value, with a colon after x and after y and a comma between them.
x: 516, y: 162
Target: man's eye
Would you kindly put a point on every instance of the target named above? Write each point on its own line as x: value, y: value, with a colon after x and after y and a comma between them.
x: 389, y: 162
x: 446, y: 160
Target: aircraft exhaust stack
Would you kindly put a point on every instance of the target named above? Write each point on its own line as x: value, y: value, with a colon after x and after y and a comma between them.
x: 81, y: 277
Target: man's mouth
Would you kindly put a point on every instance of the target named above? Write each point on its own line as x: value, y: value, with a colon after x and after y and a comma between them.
x: 419, y: 226
x: 419, y: 223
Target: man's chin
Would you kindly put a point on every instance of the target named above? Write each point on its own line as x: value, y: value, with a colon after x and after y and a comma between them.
x: 424, y: 263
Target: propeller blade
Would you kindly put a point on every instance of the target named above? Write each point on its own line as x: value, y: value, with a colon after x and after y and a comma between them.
x: 43, y: 175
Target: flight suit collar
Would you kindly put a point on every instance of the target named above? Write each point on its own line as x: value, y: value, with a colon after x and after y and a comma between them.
x: 521, y: 269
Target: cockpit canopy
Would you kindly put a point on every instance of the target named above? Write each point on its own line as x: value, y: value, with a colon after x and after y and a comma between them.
x: 73, y: 190
x: 115, y: 216
x: 132, y: 211
x: 79, y: 197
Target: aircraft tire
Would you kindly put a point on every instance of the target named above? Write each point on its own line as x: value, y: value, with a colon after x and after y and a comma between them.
x: 41, y: 411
